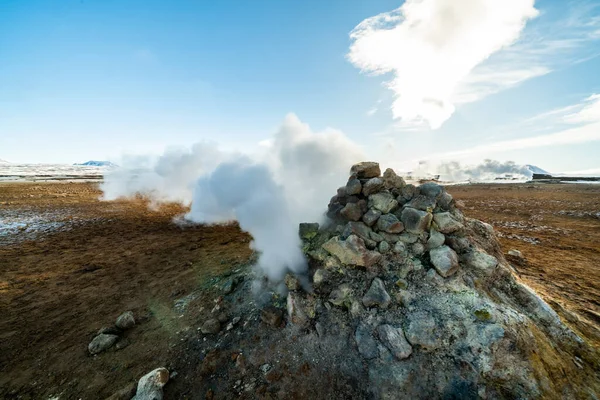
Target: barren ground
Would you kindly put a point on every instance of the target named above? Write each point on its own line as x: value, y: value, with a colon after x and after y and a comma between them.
x: 77, y: 263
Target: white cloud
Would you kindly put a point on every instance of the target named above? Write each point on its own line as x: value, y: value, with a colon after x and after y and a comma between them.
x: 431, y: 46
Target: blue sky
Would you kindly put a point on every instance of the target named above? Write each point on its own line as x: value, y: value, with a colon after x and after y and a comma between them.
x: 91, y: 79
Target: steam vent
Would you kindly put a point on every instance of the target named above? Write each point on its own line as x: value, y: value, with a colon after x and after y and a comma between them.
x: 411, y: 299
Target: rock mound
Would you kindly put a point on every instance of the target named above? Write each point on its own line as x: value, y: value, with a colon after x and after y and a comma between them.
x: 424, y: 297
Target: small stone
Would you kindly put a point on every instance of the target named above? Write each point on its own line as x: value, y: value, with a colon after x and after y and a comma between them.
x: 110, y: 330
x: 291, y: 282
x: 359, y: 229
x: 265, y: 368
x: 391, y: 180
x: 367, y: 345
x: 395, y: 341
x: 272, y: 316
x: 308, y: 230
x: 319, y: 277
x: 458, y: 243
x: 375, y: 237
x: 445, y: 260
x: 416, y: 221
x: 422, y: 331
x: 376, y: 295
x: 480, y: 261
x: 402, y: 283
x: 121, y: 344
x: 342, y: 296
x: 353, y: 187
x: 389, y: 223
x: 150, y: 386
x: 211, y: 326
x: 418, y: 249
x: 296, y: 312
x: 399, y: 248
x: 408, y: 238
x: 436, y: 239
x: 390, y: 237
x: 445, y: 222
x: 125, y: 320
x: 445, y: 201
x: 383, y: 202
x: 228, y: 286
x: 351, y: 212
x: 383, y: 247
x: 365, y: 169
x: 371, y: 217
x: 101, y: 343
x: 515, y: 253
x: 406, y: 194
x: 373, y: 185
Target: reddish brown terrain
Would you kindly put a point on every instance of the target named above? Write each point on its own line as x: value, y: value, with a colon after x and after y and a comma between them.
x: 76, y: 263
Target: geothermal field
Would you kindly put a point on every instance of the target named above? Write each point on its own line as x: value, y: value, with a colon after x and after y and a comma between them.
x: 406, y: 291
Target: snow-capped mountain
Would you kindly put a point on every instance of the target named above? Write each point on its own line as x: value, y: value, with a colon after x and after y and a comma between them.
x: 537, y: 170
x: 93, y: 163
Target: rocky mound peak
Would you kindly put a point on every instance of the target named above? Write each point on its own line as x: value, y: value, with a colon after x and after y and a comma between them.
x: 430, y: 306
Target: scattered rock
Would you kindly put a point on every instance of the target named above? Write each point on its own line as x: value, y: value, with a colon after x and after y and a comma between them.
x: 101, y: 343
x: 342, y: 296
x: 394, y: 340
x: 383, y: 247
x: 211, y: 326
x: 383, y: 202
x: 445, y: 260
x: 351, y: 212
x: 376, y: 295
x: 415, y: 221
x: 515, y: 253
x: 373, y: 185
x: 229, y: 286
x: 125, y: 321
x: 446, y: 223
x: 365, y: 170
x: 418, y: 249
x: 272, y: 316
x: 399, y: 247
x: 371, y: 217
x: 422, y: 331
x: 150, y: 386
x: 367, y: 345
x: 389, y: 223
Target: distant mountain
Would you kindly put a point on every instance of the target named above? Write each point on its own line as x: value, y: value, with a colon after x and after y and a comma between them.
x: 537, y: 170
x: 98, y: 164
x: 3, y: 161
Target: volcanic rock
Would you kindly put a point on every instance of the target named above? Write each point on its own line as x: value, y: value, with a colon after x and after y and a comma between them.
x: 376, y: 295
x: 364, y: 170
x: 415, y: 221
x: 431, y: 190
x: 371, y: 217
x: 422, y: 331
x: 446, y: 223
x: 125, y: 320
x: 272, y: 316
x: 150, y: 386
x: 353, y: 187
x: 445, y: 260
x: 351, y: 251
x: 480, y: 261
x: 101, y: 343
x: 373, y: 185
x: 383, y: 202
x: 391, y: 180
x: 436, y: 239
x: 308, y: 231
x: 211, y: 326
x: 389, y: 223
x: 351, y: 211
x: 367, y: 345
x: 394, y: 340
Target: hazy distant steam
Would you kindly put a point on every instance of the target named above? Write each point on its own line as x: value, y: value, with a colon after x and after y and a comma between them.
x: 489, y: 170
x: 431, y: 46
x: 268, y: 194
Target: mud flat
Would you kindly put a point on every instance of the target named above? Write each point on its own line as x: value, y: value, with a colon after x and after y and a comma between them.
x: 70, y: 264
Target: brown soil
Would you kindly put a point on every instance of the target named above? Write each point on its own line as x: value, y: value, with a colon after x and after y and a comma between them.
x: 83, y: 262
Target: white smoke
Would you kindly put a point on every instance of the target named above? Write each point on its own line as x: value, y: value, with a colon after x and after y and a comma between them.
x: 488, y: 170
x: 432, y: 46
x: 268, y: 193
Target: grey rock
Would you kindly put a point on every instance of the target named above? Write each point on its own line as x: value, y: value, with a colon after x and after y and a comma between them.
x: 351, y: 212
x: 359, y: 229
x: 430, y: 189
x: 436, y: 239
x: 110, y: 330
x: 400, y: 248
x: 211, y: 326
x: 422, y: 331
x: 308, y: 230
x: 383, y: 247
x: 272, y: 316
x: 320, y: 276
x: 333, y: 211
x: 375, y: 236
x: 342, y: 296
x: 351, y: 251
x: 353, y: 187
x: 121, y: 344
x: 391, y: 180
x: 458, y: 243
x: 446, y: 223
x: 296, y: 310
x: 423, y: 203
x: 367, y: 345
x: 376, y: 295
x: 390, y: 237
x: 101, y: 343
x: 480, y: 261
x: 515, y: 253
x: 408, y: 238
x: 292, y: 282
x: 373, y: 185
x: 365, y: 169
x: 383, y: 202
x: 389, y: 223
x: 125, y: 320
x: 445, y: 201
x: 418, y: 249
x: 229, y: 286
x: 406, y: 193
x: 150, y: 386
x: 371, y: 217
x: 415, y: 221
x: 445, y: 260
x: 394, y: 340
